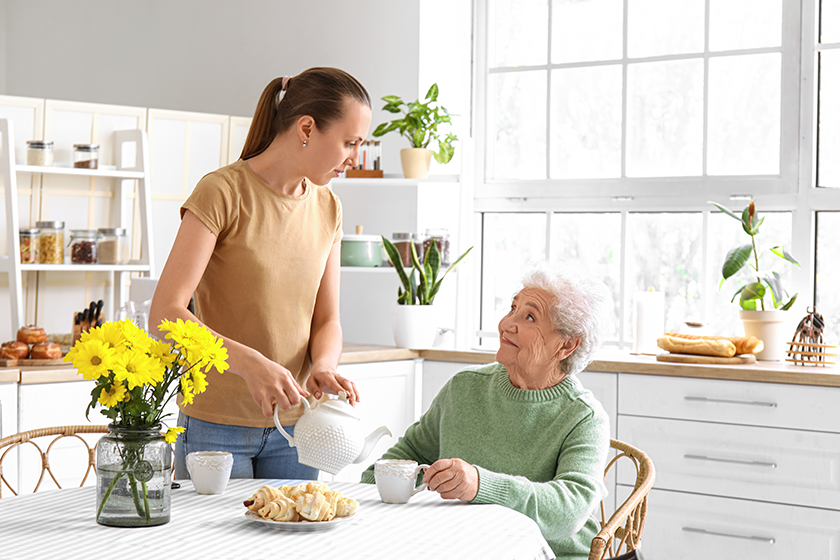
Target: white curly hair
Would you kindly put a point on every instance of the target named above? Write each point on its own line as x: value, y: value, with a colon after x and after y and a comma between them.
x: 581, y: 308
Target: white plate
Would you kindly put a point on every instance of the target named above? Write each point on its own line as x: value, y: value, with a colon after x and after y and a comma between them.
x: 303, y: 526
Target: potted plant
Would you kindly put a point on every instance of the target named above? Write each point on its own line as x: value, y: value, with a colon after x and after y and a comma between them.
x: 413, y: 317
x: 764, y: 302
x: 420, y: 126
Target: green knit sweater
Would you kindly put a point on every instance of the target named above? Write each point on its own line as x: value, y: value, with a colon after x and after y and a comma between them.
x: 541, y: 453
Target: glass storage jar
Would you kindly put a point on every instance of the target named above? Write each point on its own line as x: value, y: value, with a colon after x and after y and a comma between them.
x: 86, y: 156
x: 39, y: 152
x: 29, y: 246
x: 113, y: 246
x: 441, y: 238
x: 403, y: 241
x: 51, y: 242
x: 83, y: 246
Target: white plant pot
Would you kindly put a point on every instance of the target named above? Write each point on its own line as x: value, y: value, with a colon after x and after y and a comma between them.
x: 415, y: 326
x: 416, y: 162
x: 772, y: 328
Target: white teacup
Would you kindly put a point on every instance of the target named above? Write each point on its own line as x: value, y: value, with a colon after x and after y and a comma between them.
x: 209, y: 470
x: 396, y: 479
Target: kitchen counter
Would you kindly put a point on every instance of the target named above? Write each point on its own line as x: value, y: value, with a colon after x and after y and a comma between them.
x: 610, y: 361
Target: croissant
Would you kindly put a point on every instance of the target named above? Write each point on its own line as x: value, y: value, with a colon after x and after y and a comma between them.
x: 263, y: 497
x: 280, y: 509
x: 313, y: 507
x: 345, y: 507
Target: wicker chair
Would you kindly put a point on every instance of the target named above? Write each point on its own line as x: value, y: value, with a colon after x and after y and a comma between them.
x: 624, y: 527
x: 9, y: 443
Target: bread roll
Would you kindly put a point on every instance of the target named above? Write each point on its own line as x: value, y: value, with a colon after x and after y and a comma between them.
x: 45, y: 351
x: 31, y: 334
x: 14, y: 350
x: 703, y: 347
x: 743, y: 344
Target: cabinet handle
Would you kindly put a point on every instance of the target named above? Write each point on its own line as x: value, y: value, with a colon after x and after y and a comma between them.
x: 719, y: 460
x: 729, y: 401
x: 768, y: 540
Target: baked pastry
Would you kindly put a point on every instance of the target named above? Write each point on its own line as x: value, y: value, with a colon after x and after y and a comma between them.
x: 313, y: 507
x: 45, y: 351
x: 262, y: 497
x: 703, y: 347
x: 743, y: 344
x: 345, y: 507
x: 31, y: 334
x: 14, y: 350
x: 280, y: 509
x: 312, y: 501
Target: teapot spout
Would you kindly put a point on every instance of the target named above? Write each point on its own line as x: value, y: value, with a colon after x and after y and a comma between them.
x: 370, y: 441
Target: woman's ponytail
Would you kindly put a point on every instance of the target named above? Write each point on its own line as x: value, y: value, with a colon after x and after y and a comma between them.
x: 261, y: 132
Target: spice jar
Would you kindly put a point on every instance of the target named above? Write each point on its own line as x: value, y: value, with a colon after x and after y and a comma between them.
x: 51, y: 242
x: 83, y: 246
x: 113, y: 246
x: 39, y: 152
x: 86, y: 156
x: 29, y: 246
x: 403, y: 241
x: 441, y: 238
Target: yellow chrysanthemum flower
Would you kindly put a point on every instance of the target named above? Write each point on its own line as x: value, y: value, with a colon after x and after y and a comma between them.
x: 137, y: 368
x: 110, y: 333
x: 163, y: 352
x: 199, y: 381
x: 215, y: 355
x: 187, y: 391
x: 114, y: 396
x: 93, y: 358
x: 172, y: 434
x: 135, y: 337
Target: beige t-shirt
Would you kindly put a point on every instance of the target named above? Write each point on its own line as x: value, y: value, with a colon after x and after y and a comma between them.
x: 260, y: 285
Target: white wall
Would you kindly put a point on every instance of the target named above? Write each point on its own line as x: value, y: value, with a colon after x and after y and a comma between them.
x: 212, y: 56
x: 2, y: 46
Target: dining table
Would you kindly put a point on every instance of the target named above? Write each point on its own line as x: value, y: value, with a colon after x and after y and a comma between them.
x: 61, y: 524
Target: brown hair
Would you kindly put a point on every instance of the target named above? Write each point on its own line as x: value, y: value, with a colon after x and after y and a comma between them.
x: 318, y: 92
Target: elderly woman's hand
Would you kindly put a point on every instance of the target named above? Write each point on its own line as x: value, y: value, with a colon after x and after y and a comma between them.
x: 453, y: 479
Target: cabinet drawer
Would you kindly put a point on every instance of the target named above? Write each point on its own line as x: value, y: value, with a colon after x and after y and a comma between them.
x: 769, y: 464
x: 690, y: 527
x: 734, y: 402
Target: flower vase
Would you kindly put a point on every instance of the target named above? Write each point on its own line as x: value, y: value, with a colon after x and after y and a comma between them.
x: 133, y: 477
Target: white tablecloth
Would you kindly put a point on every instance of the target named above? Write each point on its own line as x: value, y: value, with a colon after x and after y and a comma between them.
x: 60, y: 524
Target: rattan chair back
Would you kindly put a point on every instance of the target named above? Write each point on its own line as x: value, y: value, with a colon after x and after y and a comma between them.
x: 623, y: 529
x: 43, y: 435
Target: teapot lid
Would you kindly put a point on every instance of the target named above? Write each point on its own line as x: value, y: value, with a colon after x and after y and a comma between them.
x: 340, y: 404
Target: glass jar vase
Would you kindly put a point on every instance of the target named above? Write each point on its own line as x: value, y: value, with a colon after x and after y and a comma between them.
x: 133, y: 477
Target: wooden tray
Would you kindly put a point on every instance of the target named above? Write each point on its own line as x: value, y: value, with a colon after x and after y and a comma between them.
x: 697, y: 359
x: 31, y: 363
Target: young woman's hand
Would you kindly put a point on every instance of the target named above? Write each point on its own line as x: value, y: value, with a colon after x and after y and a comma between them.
x: 274, y: 385
x: 453, y: 479
x: 321, y: 378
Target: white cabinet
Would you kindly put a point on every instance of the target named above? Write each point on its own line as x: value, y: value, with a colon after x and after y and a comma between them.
x: 743, y: 469
x: 130, y: 152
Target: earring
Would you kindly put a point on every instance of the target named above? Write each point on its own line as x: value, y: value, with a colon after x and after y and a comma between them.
x: 304, y: 143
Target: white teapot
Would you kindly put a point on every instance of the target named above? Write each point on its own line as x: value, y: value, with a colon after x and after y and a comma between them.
x: 328, y: 436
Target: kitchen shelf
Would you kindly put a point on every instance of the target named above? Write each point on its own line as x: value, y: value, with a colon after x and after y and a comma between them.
x: 136, y: 151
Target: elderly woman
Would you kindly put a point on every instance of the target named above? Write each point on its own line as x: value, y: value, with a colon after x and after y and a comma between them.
x: 523, y: 432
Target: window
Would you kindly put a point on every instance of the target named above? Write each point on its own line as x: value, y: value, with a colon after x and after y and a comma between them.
x: 828, y: 100
x: 828, y: 273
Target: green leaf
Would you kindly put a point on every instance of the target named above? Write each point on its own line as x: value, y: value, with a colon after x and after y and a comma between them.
x: 385, y: 128
x: 726, y: 210
x: 417, y: 138
x: 741, y: 289
x: 437, y: 285
x: 391, y: 99
x: 752, y: 291
x: 776, y: 291
x: 735, y: 260
x: 433, y: 93
x: 780, y: 251
x: 789, y: 304
x: 396, y: 261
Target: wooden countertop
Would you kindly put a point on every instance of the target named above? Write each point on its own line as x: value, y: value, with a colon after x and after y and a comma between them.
x: 611, y: 361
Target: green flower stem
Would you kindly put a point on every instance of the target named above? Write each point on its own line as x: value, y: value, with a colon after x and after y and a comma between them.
x: 146, y: 500
x: 755, y: 252
x: 108, y: 494
x: 137, y: 504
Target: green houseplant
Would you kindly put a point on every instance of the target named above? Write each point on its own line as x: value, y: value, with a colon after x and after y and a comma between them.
x: 419, y: 125
x: 413, y: 314
x: 763, y: 300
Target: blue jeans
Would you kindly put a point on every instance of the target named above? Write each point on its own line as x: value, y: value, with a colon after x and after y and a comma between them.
x: 257, y: 452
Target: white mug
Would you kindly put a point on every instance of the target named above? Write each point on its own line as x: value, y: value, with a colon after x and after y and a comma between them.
x: 396, y: 479
x: 209, y: 470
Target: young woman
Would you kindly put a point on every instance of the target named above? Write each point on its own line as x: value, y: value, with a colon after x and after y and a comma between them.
x: 259, y: 247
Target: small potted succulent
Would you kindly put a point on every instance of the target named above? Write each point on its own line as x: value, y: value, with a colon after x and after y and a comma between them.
x: 763, y: 300
x: 414, y: 316
x: 420, y: 126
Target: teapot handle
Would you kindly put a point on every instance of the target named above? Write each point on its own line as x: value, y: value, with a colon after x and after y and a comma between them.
x: 283, y: 432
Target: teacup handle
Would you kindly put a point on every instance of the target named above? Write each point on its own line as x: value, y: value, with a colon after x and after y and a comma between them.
x: 424, y: 485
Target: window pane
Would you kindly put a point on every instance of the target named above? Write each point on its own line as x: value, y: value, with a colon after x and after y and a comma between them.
x: 828, y: 161
x: 828, y: 273
x: 518, y: 32
x: 744, y: 24
x: 584, y: 30
x: 725, y: 234
x: 518, y: 122
x: 664, y: 253
x: 586, y: 122
x: 657, y: 27
x: 593, y: 240
x: 665, y: 118
x: 510, y: 243
x: 830, y: 30
x: 744, y: 114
